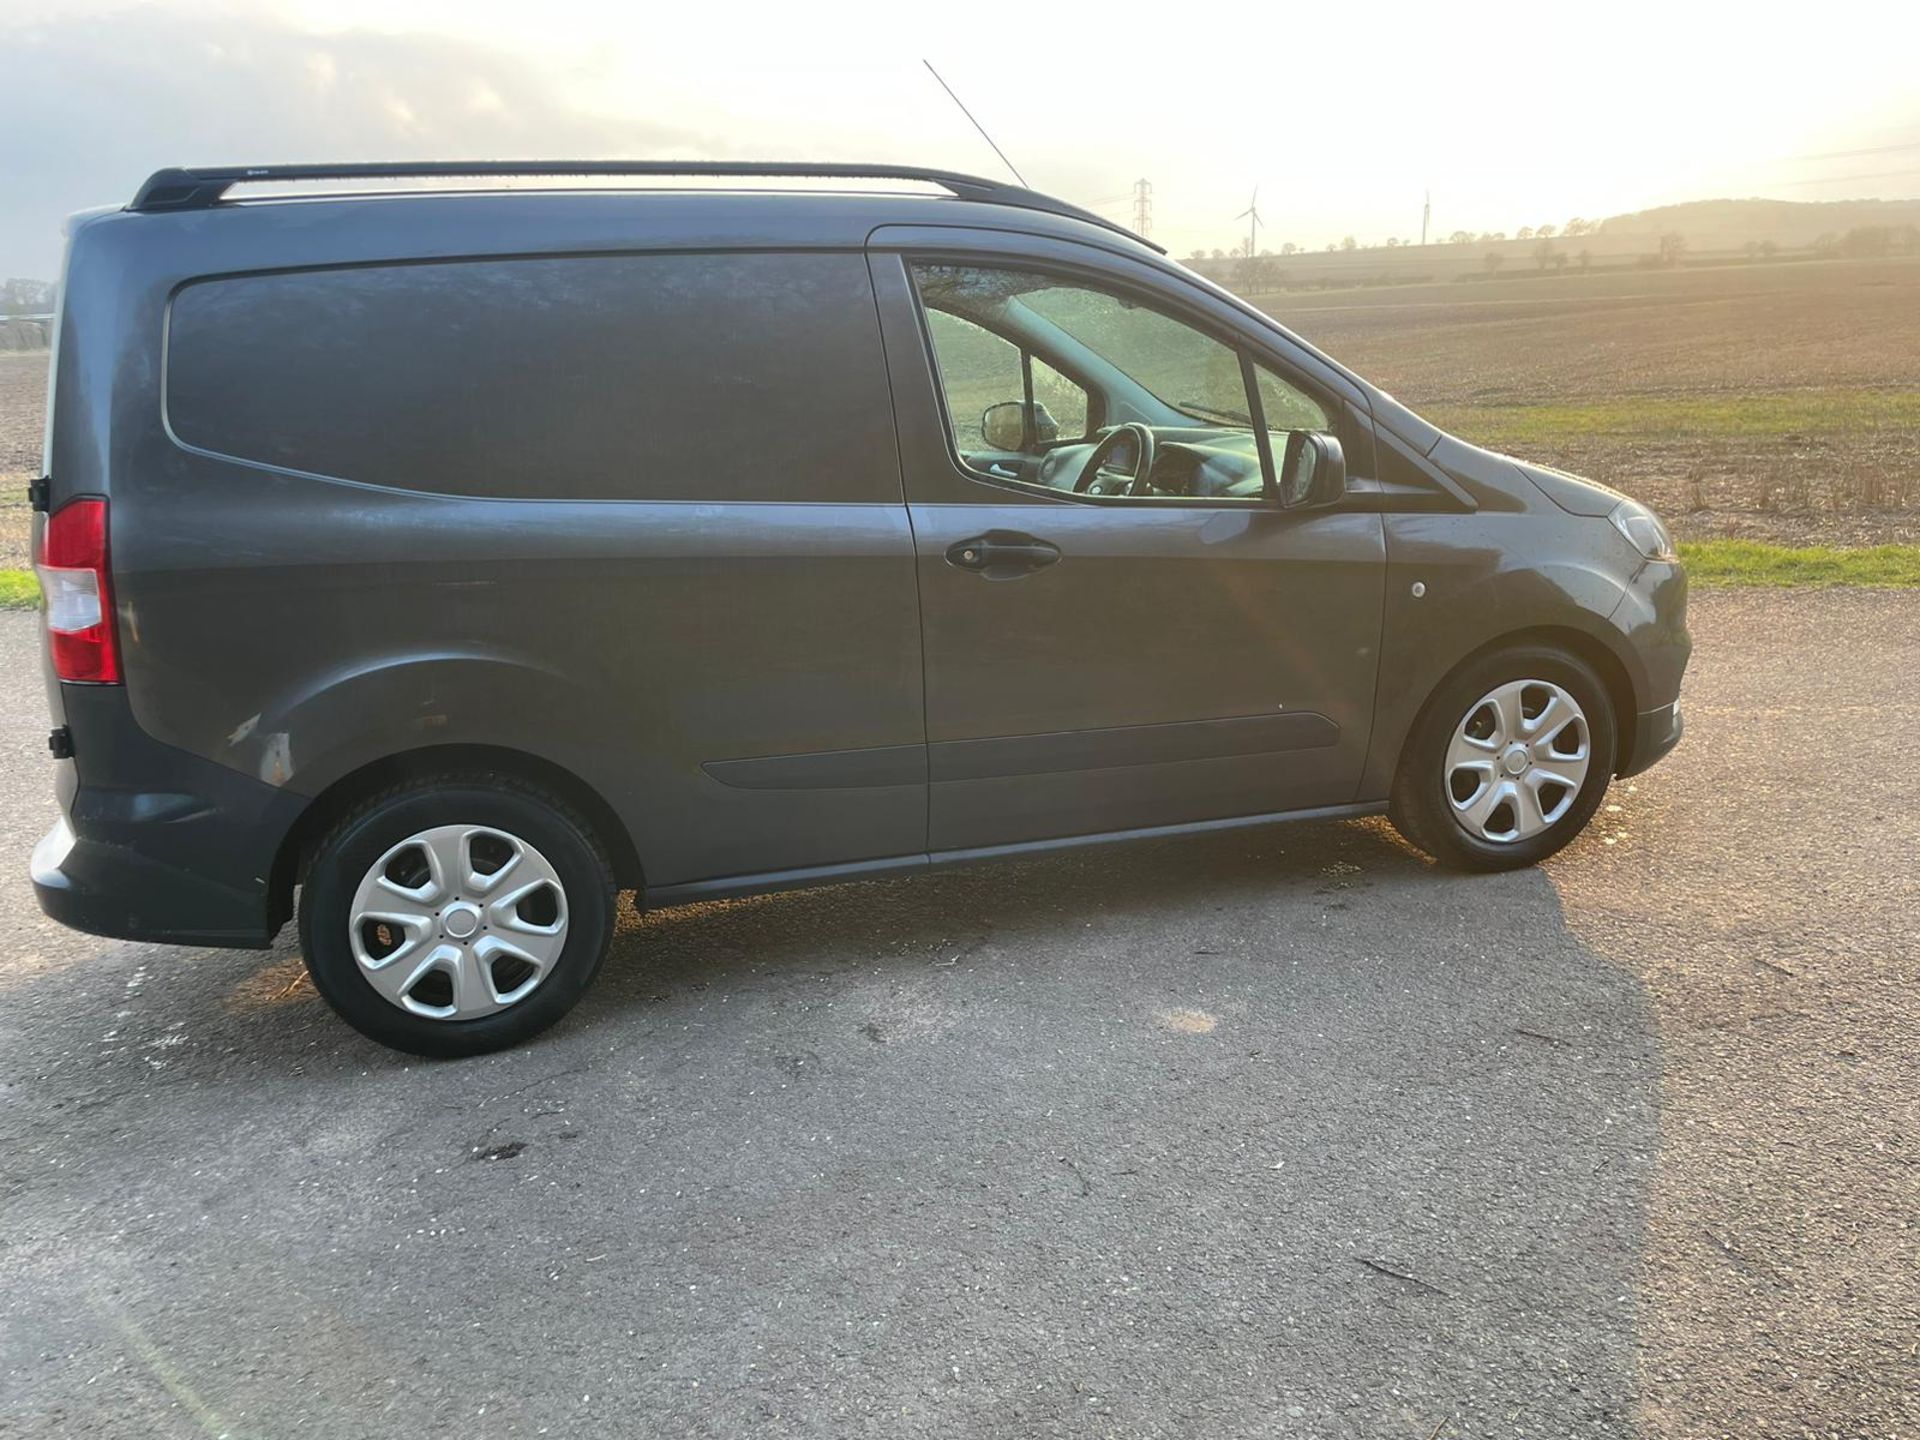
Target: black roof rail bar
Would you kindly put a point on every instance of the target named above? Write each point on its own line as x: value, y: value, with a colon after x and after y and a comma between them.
x: 202, y: 188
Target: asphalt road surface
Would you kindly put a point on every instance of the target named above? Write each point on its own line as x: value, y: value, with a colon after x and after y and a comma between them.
x: 1278, y: 1134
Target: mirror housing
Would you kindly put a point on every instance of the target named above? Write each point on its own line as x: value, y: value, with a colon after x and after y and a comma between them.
x: 1313, y: 471
x: 1004, y: 426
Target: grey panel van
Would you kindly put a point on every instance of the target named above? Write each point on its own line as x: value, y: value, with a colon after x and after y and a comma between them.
x: 439, y: 564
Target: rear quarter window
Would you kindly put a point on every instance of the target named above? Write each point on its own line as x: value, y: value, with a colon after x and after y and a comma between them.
x: 652, y: 377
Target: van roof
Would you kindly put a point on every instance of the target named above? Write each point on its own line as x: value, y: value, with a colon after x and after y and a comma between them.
x: 204, y: 188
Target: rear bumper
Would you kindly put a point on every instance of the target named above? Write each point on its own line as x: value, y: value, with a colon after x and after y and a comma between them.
x: 155, y: 844
x: 1655, y: 732
x: 112, y: 890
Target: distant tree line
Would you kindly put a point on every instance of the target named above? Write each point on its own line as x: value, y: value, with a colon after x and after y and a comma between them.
x: 1868, y: 242
x: 26, y: 297
x: 1251, y: 273
x: 1573, y: 229
x: 1862, y: 242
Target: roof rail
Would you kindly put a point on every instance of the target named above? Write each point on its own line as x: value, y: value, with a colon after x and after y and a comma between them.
x: 202, y: 188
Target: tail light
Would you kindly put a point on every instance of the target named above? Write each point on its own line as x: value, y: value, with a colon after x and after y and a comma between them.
x: 73, y: 577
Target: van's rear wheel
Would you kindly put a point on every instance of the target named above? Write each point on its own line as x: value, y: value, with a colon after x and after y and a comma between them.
x: 457, y: 915
x: 1509, y: 760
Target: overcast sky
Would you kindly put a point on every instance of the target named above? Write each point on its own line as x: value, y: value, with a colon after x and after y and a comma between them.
x: 1342, y: 115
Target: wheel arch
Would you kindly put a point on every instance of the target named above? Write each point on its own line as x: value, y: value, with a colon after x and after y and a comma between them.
x: 1585, y: 645
x: 349, y: 789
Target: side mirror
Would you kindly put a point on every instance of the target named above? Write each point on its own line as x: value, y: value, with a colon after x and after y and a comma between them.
x: 1004, y: 426
x: 1313, y: 471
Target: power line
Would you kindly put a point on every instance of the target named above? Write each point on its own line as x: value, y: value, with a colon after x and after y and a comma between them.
x: 976, y: 124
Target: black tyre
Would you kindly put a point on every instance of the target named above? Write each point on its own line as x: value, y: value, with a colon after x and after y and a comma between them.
x: 1508, y: 761
x: 456, y: 915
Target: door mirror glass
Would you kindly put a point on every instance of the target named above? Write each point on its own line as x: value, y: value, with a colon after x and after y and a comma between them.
x: 1313, y: 471
x: 1004, y: 426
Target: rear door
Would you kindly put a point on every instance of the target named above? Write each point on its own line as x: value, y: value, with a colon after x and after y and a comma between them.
x: 1108, y: 662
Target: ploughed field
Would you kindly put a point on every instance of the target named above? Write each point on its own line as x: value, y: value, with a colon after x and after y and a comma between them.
x: 1776, y: 401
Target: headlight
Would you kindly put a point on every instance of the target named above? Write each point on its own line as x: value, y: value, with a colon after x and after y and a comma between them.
x: 1643, y: 530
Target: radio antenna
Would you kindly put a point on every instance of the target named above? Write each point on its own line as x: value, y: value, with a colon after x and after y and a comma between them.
x: 976, y: 124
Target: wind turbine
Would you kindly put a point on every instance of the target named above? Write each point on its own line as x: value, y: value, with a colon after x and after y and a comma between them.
x: 1252, y: 216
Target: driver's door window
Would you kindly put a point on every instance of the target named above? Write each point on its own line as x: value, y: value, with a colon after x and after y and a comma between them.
x: 1180, y: 395
x: 1286, y: 407
x: 977, y: 371
x: 1063, y: 400
x: 986, y: 381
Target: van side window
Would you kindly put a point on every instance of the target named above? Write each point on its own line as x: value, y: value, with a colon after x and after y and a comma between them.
x: 1137, y: 373
x: 1285, y: 407
x: 1064, y: 400
x: 977, y: 369
x: 980, y: 371
x: 715, y: 377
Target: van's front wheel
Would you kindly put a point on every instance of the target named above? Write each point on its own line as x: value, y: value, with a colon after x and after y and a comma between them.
x: 456, y: 915
x: 1508, y: 761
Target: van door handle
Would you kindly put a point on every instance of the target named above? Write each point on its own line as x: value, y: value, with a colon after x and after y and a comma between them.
x: 1002, y: 554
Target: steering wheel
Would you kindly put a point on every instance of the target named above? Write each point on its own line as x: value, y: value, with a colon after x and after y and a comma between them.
x: 1143, y: 460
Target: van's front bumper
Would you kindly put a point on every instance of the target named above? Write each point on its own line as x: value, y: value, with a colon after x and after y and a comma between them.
x: 156, y: 844
x: 1655, y: 732
x: 1652, y: 618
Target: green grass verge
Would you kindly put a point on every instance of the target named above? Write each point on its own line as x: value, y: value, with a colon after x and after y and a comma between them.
x: 19, y: 590
x: 1650, y: 417
x: 1752, y: 562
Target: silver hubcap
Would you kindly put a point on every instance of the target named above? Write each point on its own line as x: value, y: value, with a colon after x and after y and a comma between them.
x: 458, y: 921
x: 1517, y: 761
